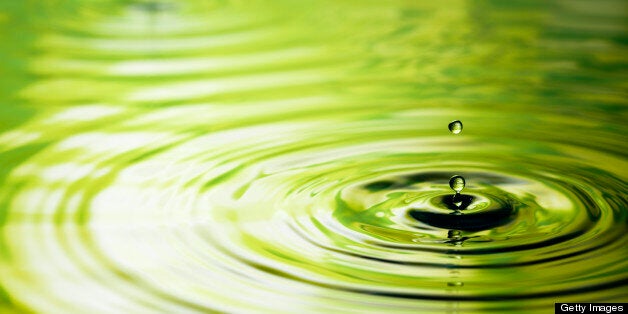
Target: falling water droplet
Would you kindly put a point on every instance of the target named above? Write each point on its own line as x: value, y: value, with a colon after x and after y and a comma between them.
x: 454, y: 234
x: 455, y: 126
x: 456, y: 183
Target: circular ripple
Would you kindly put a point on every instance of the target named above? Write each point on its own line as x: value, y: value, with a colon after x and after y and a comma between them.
x: 286, y: 209
x: 243, y: 173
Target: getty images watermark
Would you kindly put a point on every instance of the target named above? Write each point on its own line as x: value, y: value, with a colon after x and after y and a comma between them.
x: 589, y: 308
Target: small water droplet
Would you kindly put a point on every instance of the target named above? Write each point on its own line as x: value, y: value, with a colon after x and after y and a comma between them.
x: 455, y: 126
x: 452, y: 234
x: 455, y: 284
x: 379, y: 214
x: 456, y: 183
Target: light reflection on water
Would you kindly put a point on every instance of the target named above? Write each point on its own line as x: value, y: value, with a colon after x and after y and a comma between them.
x: 224, y: 156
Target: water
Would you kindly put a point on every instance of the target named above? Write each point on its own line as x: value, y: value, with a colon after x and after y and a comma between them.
x: 455, y: 127
x: 219, y: 156
x: 456, y: 183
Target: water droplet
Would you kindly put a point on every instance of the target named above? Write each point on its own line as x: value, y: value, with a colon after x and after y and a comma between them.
x: 456, y: 183
x: 452, y: 234
x: 455, y: 284
x: 455, y: 126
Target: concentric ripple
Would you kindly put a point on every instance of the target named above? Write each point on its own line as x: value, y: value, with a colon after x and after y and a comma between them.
x: 228, y: 157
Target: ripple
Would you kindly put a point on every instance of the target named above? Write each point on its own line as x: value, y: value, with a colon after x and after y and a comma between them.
x: 209, y: 157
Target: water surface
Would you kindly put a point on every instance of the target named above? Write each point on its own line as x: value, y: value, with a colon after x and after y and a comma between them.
x: 282, y: 156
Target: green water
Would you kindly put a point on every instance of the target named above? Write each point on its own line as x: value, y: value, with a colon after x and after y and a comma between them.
x: 295, y: 156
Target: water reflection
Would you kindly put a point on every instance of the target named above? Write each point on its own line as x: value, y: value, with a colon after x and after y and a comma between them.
x: 221, y: 156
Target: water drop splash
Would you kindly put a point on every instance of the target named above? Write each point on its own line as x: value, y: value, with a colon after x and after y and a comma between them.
x: 456, y: 182
x: 455, y: 127
x: 303, y: 165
